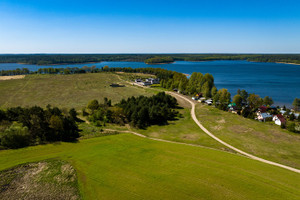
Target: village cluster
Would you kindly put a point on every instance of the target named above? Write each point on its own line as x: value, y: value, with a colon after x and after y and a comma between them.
x: 262, y: 114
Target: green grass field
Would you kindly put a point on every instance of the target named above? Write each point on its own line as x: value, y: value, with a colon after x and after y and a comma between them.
x: 184, y: 130
x: 129, y: 167
x: 265, y: 140
x: 65, y: 90
x: 124, y: 166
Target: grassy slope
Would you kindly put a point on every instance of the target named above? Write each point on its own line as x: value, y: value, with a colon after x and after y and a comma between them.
x: 265, y: 140
x: 64, y: 90
x: 182, y: 130
x: 128, y: 167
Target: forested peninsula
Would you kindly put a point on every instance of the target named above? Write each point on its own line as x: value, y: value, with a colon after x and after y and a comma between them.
x: 159, y: 60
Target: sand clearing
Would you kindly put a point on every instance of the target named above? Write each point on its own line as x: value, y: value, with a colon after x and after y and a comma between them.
x: 4, y: 78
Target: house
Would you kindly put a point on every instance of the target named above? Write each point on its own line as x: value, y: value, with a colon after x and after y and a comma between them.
x: 279, y: 119
x: 153, y: 80
x: 146, y: 83
x: 231, y: 105
x: 233, y: 108
x: 209, y: 102
x: 263, y: 116
x: 282, y: 112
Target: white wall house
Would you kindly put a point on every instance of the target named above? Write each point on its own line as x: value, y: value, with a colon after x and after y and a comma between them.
x: 279, y: 119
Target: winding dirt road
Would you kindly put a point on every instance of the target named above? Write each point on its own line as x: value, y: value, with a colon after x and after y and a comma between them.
x: 212, y: 136
x: 228, y: 145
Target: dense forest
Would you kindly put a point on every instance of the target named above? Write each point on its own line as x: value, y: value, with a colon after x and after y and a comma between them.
x: 20, y: 127
x: 139, y: 111
x: 48, y: 59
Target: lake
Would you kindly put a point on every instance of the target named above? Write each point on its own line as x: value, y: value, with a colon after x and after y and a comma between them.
x: 277, y: 80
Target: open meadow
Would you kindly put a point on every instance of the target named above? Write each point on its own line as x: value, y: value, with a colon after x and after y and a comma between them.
x: 65, y: 91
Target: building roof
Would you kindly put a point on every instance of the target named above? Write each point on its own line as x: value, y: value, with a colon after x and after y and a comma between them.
x: 263, y: 109
x: 231, y: 104
x: 281, y: 118
x: 265, y: 115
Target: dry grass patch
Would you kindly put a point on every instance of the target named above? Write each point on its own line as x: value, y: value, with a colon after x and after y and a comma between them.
x: 41, y: 180
x: 4, y: 78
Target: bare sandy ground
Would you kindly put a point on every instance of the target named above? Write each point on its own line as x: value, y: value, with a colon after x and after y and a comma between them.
x: 4, y: 78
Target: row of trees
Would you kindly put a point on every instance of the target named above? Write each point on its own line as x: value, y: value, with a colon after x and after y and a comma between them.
x: 51, y: 70
x: 139, y: 111
x: 17, y: 71
x: 29, y: 126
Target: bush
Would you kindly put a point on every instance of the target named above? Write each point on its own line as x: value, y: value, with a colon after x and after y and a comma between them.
x: 292, y: 117
x: 291, y: 127
x: 268, y: 119
x: 16, y: 136
x: 297, y: 128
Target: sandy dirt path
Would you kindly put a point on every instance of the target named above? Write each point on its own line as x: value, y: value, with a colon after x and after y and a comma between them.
x: 228, y: 145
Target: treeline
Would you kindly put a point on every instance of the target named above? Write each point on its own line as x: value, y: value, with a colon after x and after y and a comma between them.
x: 17, y: 71
x: 139, y: 111
x: 171, y: 80
x: 157, y: 60
x: 292, y: 58
x: 48, y: 59
x: 68, y: 70
x: 22, y: 127
x: 51, y: 70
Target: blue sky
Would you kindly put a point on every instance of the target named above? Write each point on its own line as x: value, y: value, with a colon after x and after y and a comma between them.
x: 210, y: 26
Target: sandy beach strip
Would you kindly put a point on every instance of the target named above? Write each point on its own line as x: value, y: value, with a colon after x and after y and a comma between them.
x: 288, y: 63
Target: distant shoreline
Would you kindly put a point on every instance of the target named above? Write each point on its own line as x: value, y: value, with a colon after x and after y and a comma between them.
x: 58, y: 63
x: 287, y: 63
x: 159, y: 63
x: 143, y: 62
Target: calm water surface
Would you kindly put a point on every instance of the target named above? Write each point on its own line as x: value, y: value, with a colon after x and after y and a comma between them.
x: 279, y: 81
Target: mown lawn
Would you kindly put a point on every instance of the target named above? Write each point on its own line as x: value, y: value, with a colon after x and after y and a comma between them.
x: 265, y: 140
x: 128, y: 167
x: 65, y: 90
